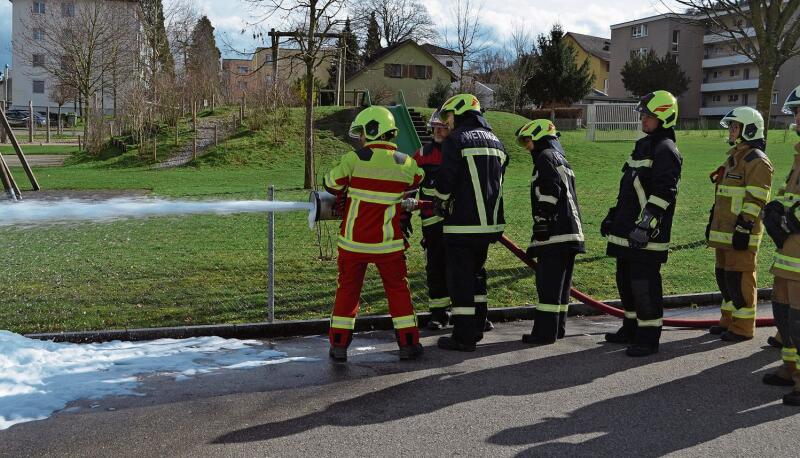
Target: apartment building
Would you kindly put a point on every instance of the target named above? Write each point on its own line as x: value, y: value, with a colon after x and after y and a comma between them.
x: 666, y: 33
x: 238, y: 77
x: 31, y: 81
x: 721, y: 78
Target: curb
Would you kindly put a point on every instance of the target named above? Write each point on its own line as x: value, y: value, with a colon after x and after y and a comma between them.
x: 283, y: 329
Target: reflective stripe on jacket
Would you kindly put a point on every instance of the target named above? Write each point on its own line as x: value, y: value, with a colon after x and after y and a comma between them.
x: 742, y: 188
x: 787, y: 259
x: 375, y: 179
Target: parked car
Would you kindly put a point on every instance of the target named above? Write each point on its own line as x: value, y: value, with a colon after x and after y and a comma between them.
x: 19, y: 118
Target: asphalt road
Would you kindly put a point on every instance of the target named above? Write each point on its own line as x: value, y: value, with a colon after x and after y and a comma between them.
x: 579, y: 397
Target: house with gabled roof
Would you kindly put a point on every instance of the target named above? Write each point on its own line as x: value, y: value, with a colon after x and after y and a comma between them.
x: 597, y: 50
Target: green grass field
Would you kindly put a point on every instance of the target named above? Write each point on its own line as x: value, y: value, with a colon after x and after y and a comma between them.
x: 41, y: 149
x: 211, y: 269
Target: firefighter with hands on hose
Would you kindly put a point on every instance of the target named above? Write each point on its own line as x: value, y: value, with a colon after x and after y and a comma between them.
x: 369, y: 184
x: 557, y: 229
x: 782, y: 223
x: 639, y: 226
x: 469, y: 196
x: 735, y: 230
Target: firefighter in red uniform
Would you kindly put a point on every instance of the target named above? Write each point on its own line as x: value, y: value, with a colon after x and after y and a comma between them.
x: 370, y: 184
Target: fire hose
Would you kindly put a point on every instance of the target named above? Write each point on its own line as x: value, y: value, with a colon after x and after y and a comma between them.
x: 613, y: 311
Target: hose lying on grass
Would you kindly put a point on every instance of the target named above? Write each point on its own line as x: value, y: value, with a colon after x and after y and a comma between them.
x: 605, y: 308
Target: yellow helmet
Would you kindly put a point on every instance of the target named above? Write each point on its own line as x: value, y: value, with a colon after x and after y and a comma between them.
x: 661, y: 105
x: 374, y: 122
x: 536, y: 130
x: 460, y: 104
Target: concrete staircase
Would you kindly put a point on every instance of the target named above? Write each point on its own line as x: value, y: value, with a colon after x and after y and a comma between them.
x: 421, y: 126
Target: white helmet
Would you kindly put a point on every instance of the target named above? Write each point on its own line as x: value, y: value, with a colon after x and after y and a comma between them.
x: 792, y: 102
x: 751, y: 120
x: 436, y: 121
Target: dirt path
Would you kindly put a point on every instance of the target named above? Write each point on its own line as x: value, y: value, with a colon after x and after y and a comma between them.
x: 38, y: 160
x: 205, y: 139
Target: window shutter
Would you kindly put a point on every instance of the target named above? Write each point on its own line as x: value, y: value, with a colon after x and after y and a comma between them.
x: 429, y: 72
x: 409, y: 69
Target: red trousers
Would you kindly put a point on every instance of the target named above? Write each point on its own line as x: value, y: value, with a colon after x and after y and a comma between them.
x: 393, y: 271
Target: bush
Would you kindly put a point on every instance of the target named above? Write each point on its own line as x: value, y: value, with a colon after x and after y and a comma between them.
x: 439, y: 94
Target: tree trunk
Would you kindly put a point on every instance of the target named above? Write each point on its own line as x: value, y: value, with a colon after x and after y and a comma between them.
x: 764, y: 96
x: 308, y: 181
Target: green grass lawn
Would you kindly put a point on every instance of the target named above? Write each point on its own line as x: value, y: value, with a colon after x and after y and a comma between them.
x: 210, y: 269
x: 40, y: 149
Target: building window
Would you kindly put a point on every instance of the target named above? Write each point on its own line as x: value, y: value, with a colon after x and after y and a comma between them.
x: 641, y: 52
x: 393, y: 70
x: 38, y: 8
x: 774, y: 98
x: 449, y: 64
x: 735, y: 72
x: 38, y: 34
x: 242, y: 85
x: 420, y: 72
x: 244, y: 69
x: 676, y: 34
x: 746, y: 99
x: 38, y: 86
x: 733, y: 98
x: 716, y: 98
x: 716, y: 74
x: 746, y: 74
x: 605, y: 85
x: 639, y: 31
x: 68, y: 9
x: 38, y: 60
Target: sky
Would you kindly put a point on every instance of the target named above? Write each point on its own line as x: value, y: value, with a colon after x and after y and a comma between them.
x: 229, y: 17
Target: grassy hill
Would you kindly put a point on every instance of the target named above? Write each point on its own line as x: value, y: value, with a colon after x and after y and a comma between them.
x: 206, y: 269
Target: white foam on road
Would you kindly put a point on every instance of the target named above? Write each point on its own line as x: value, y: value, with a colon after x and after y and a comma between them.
x: 66, y: 210
x: 38, y: 378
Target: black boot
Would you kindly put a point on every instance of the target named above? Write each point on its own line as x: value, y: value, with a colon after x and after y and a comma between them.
x: 645, y: 341
x: 338, y: 354
x: 729, y: 336
x: 487, y: 326
x: 562, y: 324
x: 545, y: 328
x: 450, y: 343
x: 773, y: 342
x: 792, y: 399
x: 773, y: 379
x: 408, y: 352
x: 464, y: 334
x: 716, y: 330
x: 440, y: 318
x: 625, y: 334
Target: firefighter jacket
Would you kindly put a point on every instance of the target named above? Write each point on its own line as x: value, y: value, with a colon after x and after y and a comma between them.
x: 649, y: 180
x: 471, y: 177
x: 787, y: 259
x: 743, y: 183
x: 429, y: 158
x: 553, y: 196
x: 375, y: 179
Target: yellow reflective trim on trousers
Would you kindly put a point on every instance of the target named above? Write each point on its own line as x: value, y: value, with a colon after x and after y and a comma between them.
x: 375, y: 197
x: 650, y: 246
x: 431, y: 221
x: 481, y: 298
x: 751, y: 209
x: 474, y: 229
x: 745, y: 313
x: 375, y: 248
x: 730, y: 191
x: 727, y: 238
x: 650, y: 323
x: 789, y: 355
x: 471, y: 152
x: 758, y: 192
x: 551, y: 308
x: 352, y: 214
x: 787, y: 263
x: 630, y: 315
x: 658, y: 202
x: 476, y: 187
x: 464, y: 311
x: 343, y: 322
x: 637, y: 185
x: 727, y: 306
x: 564, y: 308
x: 648, y: 163
x: 402, y: 322
x: 440, y: 303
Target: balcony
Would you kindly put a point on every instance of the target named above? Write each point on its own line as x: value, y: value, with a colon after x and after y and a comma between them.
x: 729, y: 85
x: 726, y: 61
x: 714, y: 38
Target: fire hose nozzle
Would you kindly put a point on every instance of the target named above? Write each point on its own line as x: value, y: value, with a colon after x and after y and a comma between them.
x: 411, y: 205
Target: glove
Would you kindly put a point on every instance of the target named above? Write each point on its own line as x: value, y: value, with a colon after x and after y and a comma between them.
x: 339, y: 206
x: 774, y: 218
x: 647, y: 226
x: 443, y: 208
x: 708, y: 226
x: 741, y: 234
x: 541, y: 228
x: 605, y: 226
x: 529, y: 253
x: 405, y: 225
x: 717, y: 175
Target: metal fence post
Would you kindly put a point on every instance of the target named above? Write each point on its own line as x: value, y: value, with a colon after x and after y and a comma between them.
x: 271, y: 257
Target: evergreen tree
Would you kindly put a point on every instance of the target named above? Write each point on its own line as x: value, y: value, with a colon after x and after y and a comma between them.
x: 373, y: 43
x: 349, y: 42
x: 557, y: 79
x: 161, y: 60
x: 646, y: 73
x: 203, y: 59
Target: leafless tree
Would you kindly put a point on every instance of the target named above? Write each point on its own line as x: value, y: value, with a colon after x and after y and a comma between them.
x: 519, y: 55
x: 181, y: 17
x: 398, y: 19
x: 314, y: 24
x: 767, y: 32
x: 469, y: 39
x: 89, y: 45
x: 61, y: 92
